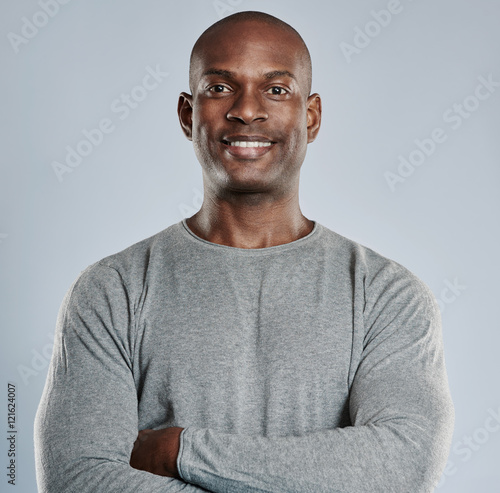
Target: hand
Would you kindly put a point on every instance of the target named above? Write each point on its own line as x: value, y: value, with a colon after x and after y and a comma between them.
x: 156, y: 451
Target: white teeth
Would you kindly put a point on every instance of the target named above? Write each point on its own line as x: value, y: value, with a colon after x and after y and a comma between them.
x: 250, y: 144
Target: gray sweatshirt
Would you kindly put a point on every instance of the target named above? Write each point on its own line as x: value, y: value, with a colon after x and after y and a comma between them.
x: 309, y: 367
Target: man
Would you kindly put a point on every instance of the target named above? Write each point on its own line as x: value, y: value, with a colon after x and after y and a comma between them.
x: 252, y: 348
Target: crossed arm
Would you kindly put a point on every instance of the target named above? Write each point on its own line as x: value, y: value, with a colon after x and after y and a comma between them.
x: 87, y: 422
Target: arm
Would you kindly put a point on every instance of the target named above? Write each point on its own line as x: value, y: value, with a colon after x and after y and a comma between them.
x: 401, y: 414
x: 87, y: 419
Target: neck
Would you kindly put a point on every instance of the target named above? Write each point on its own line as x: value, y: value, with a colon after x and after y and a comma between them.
x: 250, y: 220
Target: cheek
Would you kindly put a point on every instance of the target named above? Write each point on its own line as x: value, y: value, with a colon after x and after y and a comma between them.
x: 295, y: 128
x: 197, y: 124
x: 204, y: 137
x: 293, y: 122
x: 206, y: 131
x: 297, y: 135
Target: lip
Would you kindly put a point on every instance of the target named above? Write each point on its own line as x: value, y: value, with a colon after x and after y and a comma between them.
x: 247, y: 152
x: 246, y: 138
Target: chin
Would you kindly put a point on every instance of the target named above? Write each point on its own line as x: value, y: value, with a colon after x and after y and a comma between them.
x: 243, y: 176
x: 247, y: 186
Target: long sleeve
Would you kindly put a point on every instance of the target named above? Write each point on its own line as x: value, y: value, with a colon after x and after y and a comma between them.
x: 87, y: 420
x: 399, y: 404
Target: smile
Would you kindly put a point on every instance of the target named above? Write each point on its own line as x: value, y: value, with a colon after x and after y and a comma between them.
x: 249, y: 144
x: 247, y: 147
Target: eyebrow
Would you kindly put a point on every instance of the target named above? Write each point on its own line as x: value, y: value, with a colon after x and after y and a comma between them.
x: 279, y: 73
x: 215, y: 71
x: 231, y: 75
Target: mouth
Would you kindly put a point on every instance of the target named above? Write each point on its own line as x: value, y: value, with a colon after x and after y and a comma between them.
x: 243, y: 143
x: 247, y: 146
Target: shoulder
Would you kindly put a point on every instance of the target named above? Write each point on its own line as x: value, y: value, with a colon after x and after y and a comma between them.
x: 384, y: 280
x: 129, y: 268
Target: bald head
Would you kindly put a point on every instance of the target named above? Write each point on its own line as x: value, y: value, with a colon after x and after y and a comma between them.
x: 215, y: 31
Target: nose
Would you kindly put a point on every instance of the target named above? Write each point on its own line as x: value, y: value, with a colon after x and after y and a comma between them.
x: 247, y: 108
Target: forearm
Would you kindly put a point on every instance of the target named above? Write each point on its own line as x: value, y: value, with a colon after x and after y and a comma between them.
x: 68, y: 458
x: 400, y: 409
x: 87, y: 419
x: 373, y: 459
x: 91, y: 475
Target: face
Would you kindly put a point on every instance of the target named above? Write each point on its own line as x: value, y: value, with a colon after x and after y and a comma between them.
x: 250, y: 117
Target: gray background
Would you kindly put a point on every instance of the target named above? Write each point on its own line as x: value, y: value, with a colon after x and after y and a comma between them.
x: 440, y: 219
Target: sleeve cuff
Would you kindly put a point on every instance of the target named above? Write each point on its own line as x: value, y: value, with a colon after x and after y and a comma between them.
x: 179, y: 455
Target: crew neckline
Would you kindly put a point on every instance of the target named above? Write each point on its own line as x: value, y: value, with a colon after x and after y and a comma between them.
x: 254, y: 251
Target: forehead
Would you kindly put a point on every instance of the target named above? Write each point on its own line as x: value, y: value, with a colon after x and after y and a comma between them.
x: 250, y: 47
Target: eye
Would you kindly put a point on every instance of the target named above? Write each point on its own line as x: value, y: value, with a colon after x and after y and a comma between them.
x: 219, y: 88
x: 277, y: 91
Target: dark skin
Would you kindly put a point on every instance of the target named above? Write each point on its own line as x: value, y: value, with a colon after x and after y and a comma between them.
x: 250, y: 83
x: 156, y: 451
x: 250, y: 201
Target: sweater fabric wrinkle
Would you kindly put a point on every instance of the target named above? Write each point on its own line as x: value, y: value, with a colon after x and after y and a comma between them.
x: 306, y: 367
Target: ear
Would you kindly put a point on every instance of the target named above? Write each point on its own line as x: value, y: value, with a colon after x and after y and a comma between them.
x: 313, y: 117
x: 185, y: 112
